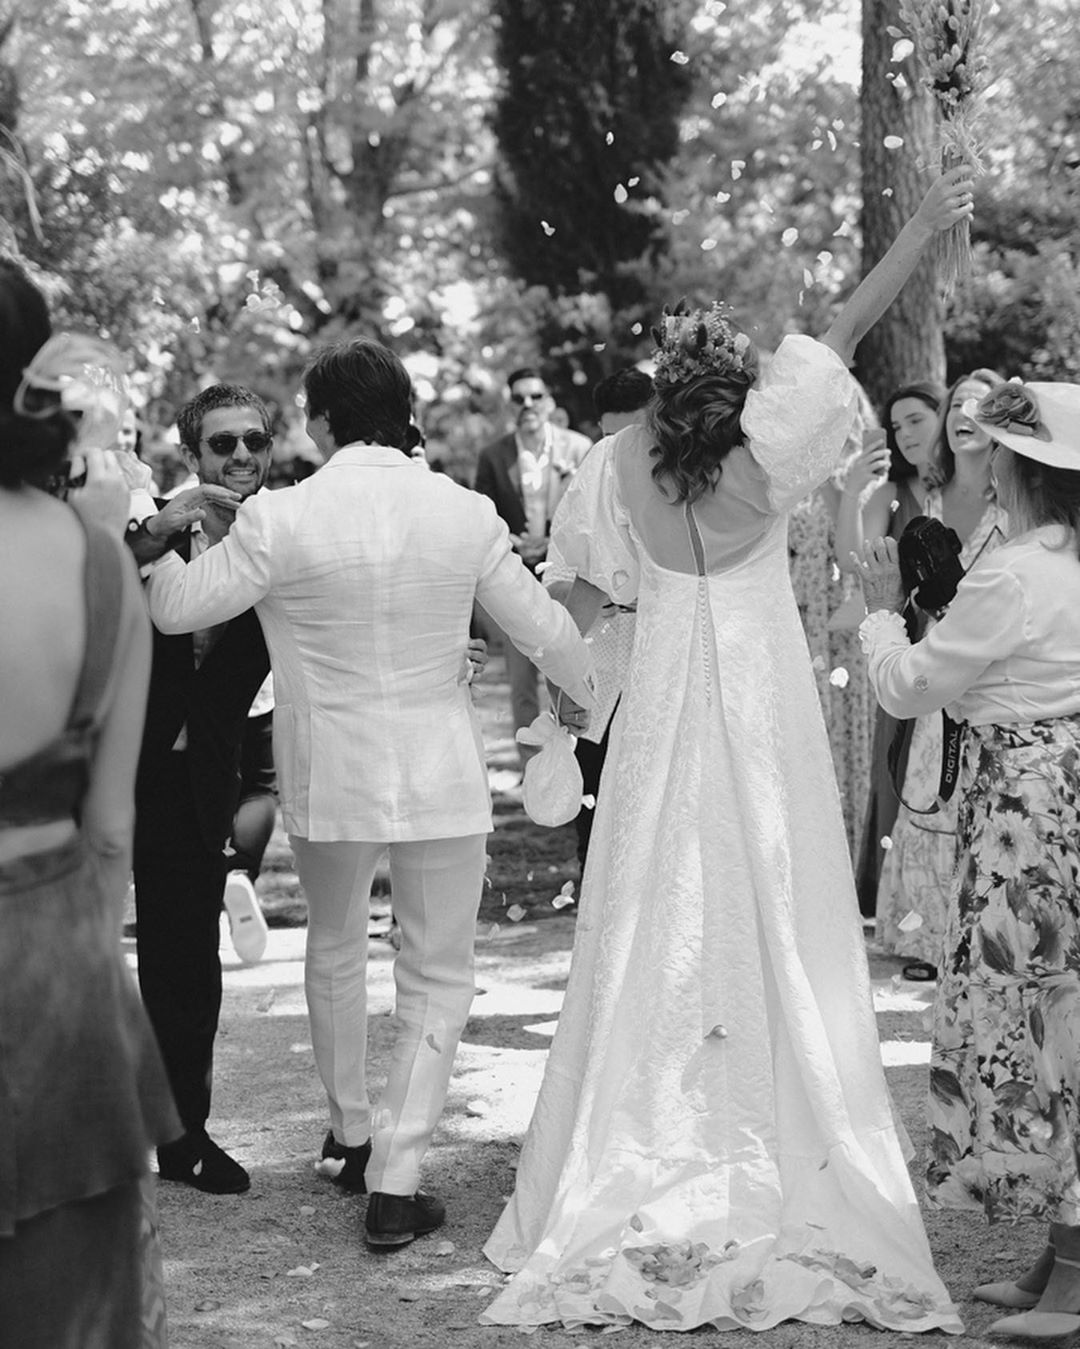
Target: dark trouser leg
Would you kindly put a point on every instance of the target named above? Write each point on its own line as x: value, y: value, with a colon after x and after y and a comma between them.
x: 256, y: 815
x: 178, y: 887
x: 590, y: 759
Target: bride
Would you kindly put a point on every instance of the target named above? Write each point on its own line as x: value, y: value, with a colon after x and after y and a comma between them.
x: 713, y: 1143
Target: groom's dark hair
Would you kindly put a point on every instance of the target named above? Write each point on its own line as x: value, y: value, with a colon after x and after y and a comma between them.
x: 363, y: 390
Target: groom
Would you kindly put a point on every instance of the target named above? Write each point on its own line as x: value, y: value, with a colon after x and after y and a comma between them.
x: 363, y: 578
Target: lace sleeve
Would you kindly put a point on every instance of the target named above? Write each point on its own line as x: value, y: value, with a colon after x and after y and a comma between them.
x: 590, y: 537
x: 798, y: 418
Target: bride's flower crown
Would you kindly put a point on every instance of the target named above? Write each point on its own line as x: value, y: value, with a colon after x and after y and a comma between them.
x: 693, y: 342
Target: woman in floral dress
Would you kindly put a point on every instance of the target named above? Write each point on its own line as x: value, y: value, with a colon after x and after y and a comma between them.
x: 917, y: 870
x: 1005, y: 1066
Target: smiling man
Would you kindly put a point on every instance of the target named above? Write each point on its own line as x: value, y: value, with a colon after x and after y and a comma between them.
x: 201, y: 688
x: 525, y: 474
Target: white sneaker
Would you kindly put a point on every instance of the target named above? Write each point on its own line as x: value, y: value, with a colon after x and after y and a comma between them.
x: 247, y: 926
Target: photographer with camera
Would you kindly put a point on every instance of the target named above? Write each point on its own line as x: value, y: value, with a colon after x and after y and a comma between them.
x: 1005, y: 660
x: 918, y: 852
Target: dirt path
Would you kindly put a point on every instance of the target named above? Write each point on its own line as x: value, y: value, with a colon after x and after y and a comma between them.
x: 285, y: 1264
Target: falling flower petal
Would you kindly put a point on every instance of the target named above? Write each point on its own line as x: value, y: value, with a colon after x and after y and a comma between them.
x: 632, y: 182
x: 789, y: 237
x: 722, y: 197
x: 831, y: 139
x: 824, y: 257
x: 737, y: 166
x: 621, y: 193
x: 589, y: 802
x: 887, y: 192
x: 636, y: 329
x: 515, y: 913
x: 886, y: 842
x: 893, y: 142
x: 911, y: 922
x: 839, y: 678
x: 718, y: 100
x: 609, y: 139
x: 902, y: 49
x: 680, y: 58
x: 549, y: 230
x: 707, y: 245
x: 807, y: 278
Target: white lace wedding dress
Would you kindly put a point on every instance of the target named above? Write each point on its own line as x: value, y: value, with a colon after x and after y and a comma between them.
x: 713, y: 1141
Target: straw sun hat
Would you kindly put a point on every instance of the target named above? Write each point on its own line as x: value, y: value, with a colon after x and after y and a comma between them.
x: 1039, y: 421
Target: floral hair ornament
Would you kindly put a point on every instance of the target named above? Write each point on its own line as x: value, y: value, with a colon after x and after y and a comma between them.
x: 1038, y: 421
x: 86, y: 377
x: 693, y: 342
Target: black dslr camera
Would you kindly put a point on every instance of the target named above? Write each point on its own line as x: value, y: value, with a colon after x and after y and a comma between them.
x: 930, y: 565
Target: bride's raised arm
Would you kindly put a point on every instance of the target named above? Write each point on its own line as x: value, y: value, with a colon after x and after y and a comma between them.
x: 947, y: 202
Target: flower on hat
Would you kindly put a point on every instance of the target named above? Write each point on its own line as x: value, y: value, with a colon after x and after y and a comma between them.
x: 1013, y: 408
x: 693, y: 342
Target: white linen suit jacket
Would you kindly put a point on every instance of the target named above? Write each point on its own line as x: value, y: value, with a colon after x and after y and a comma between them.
x: 363, y: 577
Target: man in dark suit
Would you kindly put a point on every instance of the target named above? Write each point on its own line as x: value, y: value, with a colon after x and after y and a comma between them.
x: 188, y: 785
x: 525, y: 474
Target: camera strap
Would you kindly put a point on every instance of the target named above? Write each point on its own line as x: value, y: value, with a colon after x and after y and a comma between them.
x: 952, y: 735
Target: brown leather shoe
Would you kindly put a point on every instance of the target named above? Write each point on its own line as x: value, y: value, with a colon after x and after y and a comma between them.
x: 396, y: 1219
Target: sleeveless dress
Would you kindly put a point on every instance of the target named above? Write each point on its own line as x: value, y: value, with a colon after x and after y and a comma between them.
x: 917, y: 871
x: 713, y: 1143
x: 83, y: 1094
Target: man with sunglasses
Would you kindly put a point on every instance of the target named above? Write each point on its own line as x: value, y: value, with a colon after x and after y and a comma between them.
x: 525, y: 473
x: 188, y: 785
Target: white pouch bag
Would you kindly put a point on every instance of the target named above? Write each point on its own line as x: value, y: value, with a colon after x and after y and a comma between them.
x: 553, y: 787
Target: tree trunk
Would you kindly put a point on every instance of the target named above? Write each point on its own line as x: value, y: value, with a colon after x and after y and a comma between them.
x: 907, y: 343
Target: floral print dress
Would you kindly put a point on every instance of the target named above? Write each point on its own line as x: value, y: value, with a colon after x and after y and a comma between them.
x: 920, y: 855
x: 1005, y: 1069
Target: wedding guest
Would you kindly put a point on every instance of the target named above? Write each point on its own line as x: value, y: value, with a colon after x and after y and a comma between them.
x: 187, y: 791
x: 869, y: 508
x: 525, y: 473
x: 830, y: 607
x: 83, y: 1095
x: 713, y: 1143
x: 916, y: 871
x: 1005, y: 1068
x: 364, y: 578
x: 620, y: 400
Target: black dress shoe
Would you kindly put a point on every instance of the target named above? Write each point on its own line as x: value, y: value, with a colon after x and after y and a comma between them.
x: 196, y: 1160
x: 351, y: 1175
x: 396, y: 1219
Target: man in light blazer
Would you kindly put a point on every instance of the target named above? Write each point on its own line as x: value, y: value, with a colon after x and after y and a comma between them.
x: 525, y: 474
x: 363, y: 578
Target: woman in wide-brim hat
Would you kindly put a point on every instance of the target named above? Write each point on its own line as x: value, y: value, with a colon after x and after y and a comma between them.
x: 1005, y: 659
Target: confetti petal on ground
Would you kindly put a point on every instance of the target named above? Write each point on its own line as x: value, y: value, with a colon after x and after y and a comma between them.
x: 444, y: 1248
x: 476, y: 1108
x: 301, y: 1272
x: 330, y: 1166
x: 911, y: 922
x: 316, y: 1323
x: 209, y: 1305
x: 515, y: 913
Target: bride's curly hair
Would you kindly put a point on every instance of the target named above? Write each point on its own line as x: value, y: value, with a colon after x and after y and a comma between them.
x: 696, y: 425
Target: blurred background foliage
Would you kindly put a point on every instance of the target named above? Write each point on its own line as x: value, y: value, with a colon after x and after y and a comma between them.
x: 219, y: 185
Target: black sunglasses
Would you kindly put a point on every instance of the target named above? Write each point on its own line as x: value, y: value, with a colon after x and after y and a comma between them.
x: 225, y: 442
x: 522, y: 398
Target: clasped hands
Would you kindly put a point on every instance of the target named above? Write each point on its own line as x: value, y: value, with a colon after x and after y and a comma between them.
x: 568, y: 713
x: 879, y: 571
